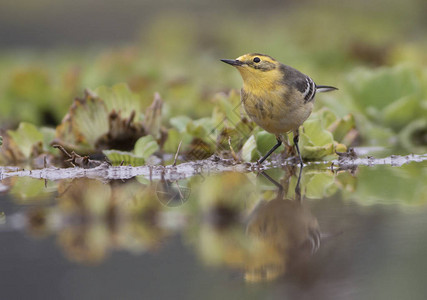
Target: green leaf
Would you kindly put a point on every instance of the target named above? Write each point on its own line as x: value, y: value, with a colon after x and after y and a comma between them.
x: 375, y: 133
x: 200, y: 128
x: 320, y: 185
x: 26, y: 190
x: 90, y: 120
x: 249, y: 149
x: 121, y: 99
x: 25, y: 137
x: 377, y: 89
x: 48, y: 137
x: 341, y: 127
x: 265, y: 141
x: 414, y: 136
x: 315, y: 141
x: 180, y: 122
x: 127, y: 158
x: 326, y: 115
x: 196, y: 130
x: 173, y: 140
x: 26, y: 94
x: 317, y: 152
x: 245, y: 128
x: 401, y: 112
x: 316, y: 133
x: 145, y: 146
x: 229, y: 105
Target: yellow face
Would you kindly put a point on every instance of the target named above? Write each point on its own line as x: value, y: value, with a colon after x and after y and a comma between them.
x: 258, y: 71
x: 255, y: 63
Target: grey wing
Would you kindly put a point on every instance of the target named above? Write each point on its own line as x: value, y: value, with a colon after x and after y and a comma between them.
x: 304, y: 84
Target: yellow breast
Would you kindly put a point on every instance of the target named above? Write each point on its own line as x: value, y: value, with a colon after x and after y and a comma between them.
x: 277, y: 111
x: 276, y: 107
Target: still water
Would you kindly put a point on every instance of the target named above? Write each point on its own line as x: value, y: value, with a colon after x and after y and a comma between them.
x: 354, y: 234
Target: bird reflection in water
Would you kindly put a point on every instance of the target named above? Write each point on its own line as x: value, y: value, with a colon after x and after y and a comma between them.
x: 263, y: 239
x: 284, y: 231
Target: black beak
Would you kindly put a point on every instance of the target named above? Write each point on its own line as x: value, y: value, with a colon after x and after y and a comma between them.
x: 233, y: 62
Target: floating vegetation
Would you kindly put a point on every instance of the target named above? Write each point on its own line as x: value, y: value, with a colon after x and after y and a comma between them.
x: 110, y: 121
x: 389, y: 105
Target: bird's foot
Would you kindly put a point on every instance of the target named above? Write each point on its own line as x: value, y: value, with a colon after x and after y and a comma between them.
x: 299, y: 161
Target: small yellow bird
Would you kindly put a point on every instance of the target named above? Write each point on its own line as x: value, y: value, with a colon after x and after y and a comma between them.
x: 277, y: 97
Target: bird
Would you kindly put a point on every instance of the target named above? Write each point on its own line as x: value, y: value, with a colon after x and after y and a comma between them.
x: 277, y: 97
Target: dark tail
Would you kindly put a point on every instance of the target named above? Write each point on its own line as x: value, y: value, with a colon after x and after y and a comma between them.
x: 325, y: 88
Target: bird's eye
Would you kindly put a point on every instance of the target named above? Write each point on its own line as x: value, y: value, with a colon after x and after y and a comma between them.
x: 257, y: 60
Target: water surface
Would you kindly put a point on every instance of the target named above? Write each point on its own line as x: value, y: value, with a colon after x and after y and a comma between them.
x: 350, y: 234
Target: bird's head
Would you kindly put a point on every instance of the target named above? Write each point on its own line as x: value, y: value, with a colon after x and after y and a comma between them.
x: 256, y: 68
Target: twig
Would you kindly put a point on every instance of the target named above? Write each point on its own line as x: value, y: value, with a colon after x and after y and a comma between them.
x: 75, y: 159
x: 176, y: 154
x: 232, y: 150
x: 62, y: 149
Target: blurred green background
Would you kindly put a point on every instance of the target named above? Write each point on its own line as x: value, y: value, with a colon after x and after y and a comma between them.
x: 374, y: 51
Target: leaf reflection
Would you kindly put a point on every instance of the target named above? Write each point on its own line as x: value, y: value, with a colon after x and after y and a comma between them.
x: 257, y: 224
x: 91, y: 219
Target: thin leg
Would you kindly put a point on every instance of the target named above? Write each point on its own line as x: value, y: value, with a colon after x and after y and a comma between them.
x: 278, y: 185
x: 279, y: 142
x: 297, y: 187
x: 296, y: 139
